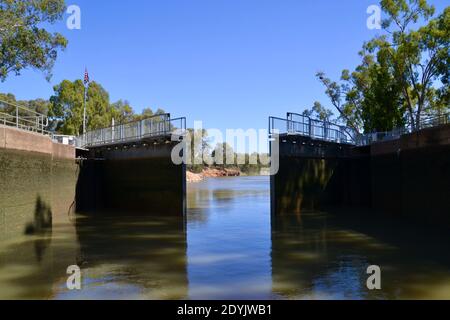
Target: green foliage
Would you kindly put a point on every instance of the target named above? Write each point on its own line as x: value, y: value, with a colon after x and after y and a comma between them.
x: 24, y: 43
x: 318, y: 111
x: 98, y: 112
x: 253, y: 164
x: 224, y: 155
x: 67, y: 106
x: 200, y: 145
x: 148, y: 112
x: 404, y: 74
x: 122, y: 112
x: 39, y: 105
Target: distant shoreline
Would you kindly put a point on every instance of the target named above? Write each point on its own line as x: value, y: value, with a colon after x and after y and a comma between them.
x: 211, y: 173
x: 193, y: 177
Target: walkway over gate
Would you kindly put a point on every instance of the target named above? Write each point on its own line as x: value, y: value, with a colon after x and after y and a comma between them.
x: 129, y: 168
x: 300, y: 125
x: 154, y: 127
x: 324, y: 165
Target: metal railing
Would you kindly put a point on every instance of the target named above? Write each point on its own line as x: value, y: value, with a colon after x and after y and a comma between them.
x: 425, y: 123
x: 297, y: 124
x: 152, y: 127
x: 21, y: 117
x: 435, y: 121
x: 315, y: 129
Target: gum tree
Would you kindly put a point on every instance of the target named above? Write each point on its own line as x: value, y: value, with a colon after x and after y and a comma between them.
x: 404, y: 72
x: 24, y: 42
x: 419, y: 58
x: 67, y: 106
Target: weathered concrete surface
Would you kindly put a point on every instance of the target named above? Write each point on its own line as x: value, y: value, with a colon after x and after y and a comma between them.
x: 408, y: 177
x: 2, y: 137
x: 411, y: 176
x: 141, y: 179
x: 63, y: 152
x: 428, y: 137
x: 36, y: 177
x: 16, y: 139
x: 314, y: 174
x: 30, y: 181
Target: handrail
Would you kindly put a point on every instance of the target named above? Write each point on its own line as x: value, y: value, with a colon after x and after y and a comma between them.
x: 327, y: 131
x: 23, y: 118
x: 429, y: 122
x: 349, y: 131
x: 315, y: 129
x: 165, y: 115
x: 150, y: 127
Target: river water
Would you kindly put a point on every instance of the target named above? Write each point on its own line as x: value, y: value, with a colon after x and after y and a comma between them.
x: 228, y: 247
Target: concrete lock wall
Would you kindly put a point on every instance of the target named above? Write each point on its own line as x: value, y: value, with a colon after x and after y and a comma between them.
x: 408, y: 177
x: 37, y: 181
x: 133, y: 180
x: 41, y: 180
x: 313, y: 175
x: 411, y: 176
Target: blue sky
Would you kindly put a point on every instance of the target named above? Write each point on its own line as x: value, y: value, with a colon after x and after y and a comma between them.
x: 229, y: 63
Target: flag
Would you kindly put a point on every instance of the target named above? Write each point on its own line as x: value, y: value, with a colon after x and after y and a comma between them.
x: 86, y: 76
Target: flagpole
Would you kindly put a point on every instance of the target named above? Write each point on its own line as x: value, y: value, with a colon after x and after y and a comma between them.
x: 84, y: 111
x: 86, y: 83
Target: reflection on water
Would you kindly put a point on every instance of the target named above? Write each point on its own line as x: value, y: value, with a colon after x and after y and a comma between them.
x: 228, y: 247
x: 132, y: 257
x: 326, y: 257
x: 229, y: 239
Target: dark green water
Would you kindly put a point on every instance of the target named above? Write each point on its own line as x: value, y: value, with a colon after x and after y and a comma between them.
x: 228, y: 248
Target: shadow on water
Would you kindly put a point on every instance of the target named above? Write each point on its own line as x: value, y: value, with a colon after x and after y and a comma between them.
x: 143, y: 255
x: 325, y: 256
x: 27, y: 264
x: 42, y: 226
x: 43, y: 218
x: 234, y: 252
x: 120, y: 256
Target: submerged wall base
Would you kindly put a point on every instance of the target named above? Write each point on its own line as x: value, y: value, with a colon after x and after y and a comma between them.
x: 132, y: 181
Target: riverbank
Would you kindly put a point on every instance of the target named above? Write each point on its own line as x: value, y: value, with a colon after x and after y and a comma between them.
x: 211, y: 173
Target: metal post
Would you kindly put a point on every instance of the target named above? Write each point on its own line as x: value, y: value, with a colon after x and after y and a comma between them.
x: 270, y: 126
x: 113, y: 130
x: 17, y: 117
x: 84, y: 111
x: 288, y: 124
x: 310, y: 128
